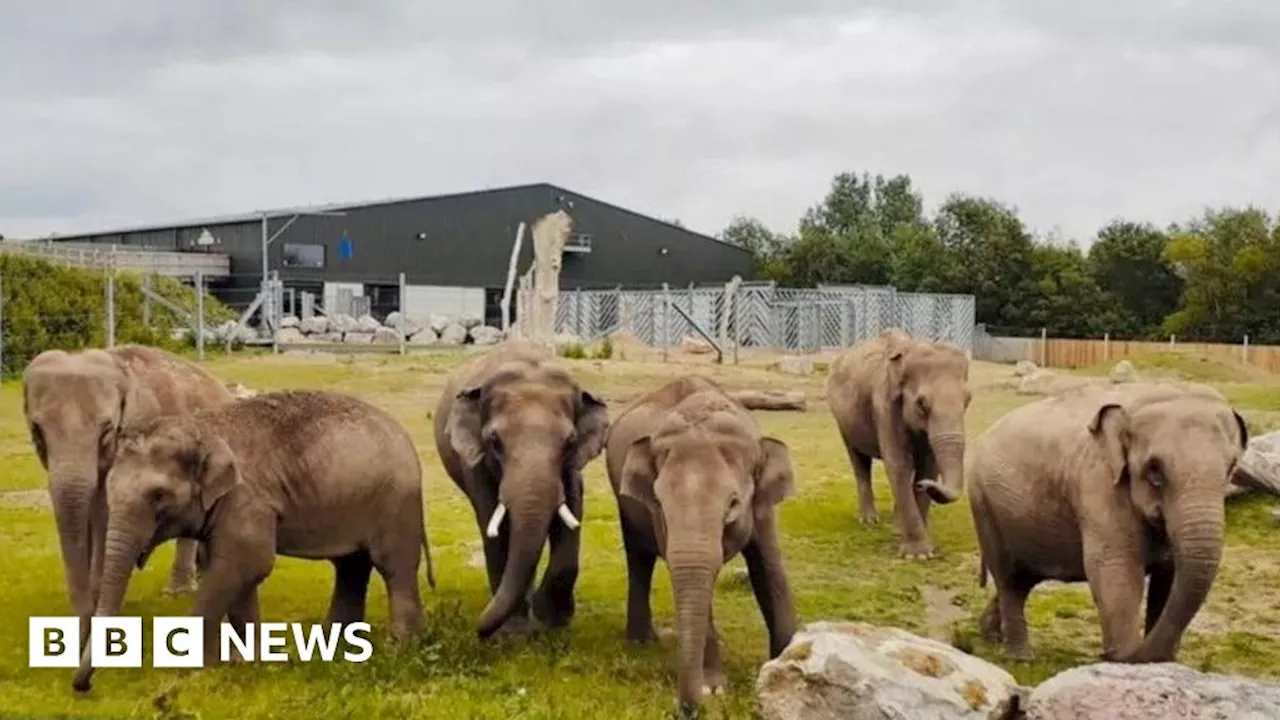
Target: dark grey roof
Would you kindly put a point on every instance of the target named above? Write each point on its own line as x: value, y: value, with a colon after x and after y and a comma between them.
x: 256, y: 215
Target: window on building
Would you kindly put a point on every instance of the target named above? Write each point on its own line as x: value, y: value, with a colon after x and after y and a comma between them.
x: 303, y: 256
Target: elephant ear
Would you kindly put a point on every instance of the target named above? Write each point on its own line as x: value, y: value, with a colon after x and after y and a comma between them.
x: 896, y: 367
x: 775, y: 477
x: 465, y: 422
x: 212, y: 466
x: 1110, y: 427
x: 639, y: 471
x: 591, y: 426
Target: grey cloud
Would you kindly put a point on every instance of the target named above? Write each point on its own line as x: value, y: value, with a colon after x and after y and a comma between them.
x: 1072, y: 112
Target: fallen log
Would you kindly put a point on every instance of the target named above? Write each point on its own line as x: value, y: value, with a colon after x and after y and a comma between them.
x: 769, y: 400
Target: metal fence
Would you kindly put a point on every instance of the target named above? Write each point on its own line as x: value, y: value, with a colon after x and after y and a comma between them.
x: 763, y: 315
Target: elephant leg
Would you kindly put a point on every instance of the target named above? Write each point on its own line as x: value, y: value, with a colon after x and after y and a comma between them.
x: 768, y: 577
x: 553, y: 602
x: 404, y: 600
x: 1158, y: 588
x: 926, y: 467
x: 867, y: 513
x: 1115, y: 581
x: 97, y: 543
x: 243, y: 612
x: 914, y: 543
x: 234, y: 572
x: 350, y: 588
x: 989, y: 621
x: 182, y: 575
x: 640, y: 564
x: 713, y: 682
x: 1011, y: 599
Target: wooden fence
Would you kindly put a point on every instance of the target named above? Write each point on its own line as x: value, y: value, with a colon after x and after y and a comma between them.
x: 1064, y: 353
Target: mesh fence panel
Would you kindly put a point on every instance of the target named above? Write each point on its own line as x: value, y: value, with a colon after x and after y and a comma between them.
x: 763, y: 315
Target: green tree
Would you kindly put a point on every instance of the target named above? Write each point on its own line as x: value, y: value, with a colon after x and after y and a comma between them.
x: 993, y: 258
x: 1127, y: 261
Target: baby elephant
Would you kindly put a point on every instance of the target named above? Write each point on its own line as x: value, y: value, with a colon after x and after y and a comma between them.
x: 697, y: 484
x: 1108, y: 485
x: 302, y: 474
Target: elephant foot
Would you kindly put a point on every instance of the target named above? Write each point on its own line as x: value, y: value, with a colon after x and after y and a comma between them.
x: 917, y: 550
x: 1019, y: 653
x: 868, y: 516
x: 642, y: 635
x: 989, y: 626
x: 550, y: 613
x: 178, y: 586
x: 515, y: 626
x: 713, y: 682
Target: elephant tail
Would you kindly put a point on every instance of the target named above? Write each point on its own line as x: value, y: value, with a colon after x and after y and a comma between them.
x: 426, y: 550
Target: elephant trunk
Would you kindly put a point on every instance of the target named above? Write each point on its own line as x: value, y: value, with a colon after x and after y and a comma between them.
x: 125, y: 540
x: 73, y: 488
x: 948, y: 450
x: 528, y: 515
x: 694, y: 565
x: 1196, y: 534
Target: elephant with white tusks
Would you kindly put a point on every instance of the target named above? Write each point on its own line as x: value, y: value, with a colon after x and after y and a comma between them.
x: 1113, y: 486
x: 514, y: 431
x: 77, y: 405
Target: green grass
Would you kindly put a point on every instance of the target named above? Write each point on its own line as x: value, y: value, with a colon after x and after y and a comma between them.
x: 838, y: 570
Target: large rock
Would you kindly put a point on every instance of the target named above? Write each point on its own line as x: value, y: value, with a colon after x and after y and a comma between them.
x: 425, y: 336
x: 796, y: 365
x: 854, y: 670
x: 1024, y: 368
x: 288, y: 321
x: 290, y: 335
x: 693, y: 345
x: 439, y: 323
x: 453, y: 334
x: 315, y: 325
x: 485, y: 335
x: 398, y: 320
x: 1259, y: 466
x: 1123, y: 372
x: 357, y: 338
x: 367, y: 324
x: 470, y: 321
x: 386, y: 335
x: 342, y: 323
x: 1119, y: 691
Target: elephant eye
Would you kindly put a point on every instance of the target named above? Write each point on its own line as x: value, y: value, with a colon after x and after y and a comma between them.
x: 1155, y: 474
x: 923, y: 403
x: 156, y: 495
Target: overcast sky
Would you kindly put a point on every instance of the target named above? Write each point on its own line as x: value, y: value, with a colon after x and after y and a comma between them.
x: 126, y: 111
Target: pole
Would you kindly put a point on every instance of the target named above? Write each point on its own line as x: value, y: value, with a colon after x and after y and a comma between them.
x: 200, y: 314
x: 146, y: 300
x: 511, y: 278
x: 1244, y: 350
x: 666, y: 319
x: 1044, y: 346
x: 1106, y: 347
x: 404, y: 309
x: 111, y: 299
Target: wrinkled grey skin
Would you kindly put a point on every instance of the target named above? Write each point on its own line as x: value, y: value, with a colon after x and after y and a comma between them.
x: 314, y: 475
x: 514, y: 431
x: 696, y: 483
x: 76, y: 406
x: 1109, y: 485
x: 903, y: 400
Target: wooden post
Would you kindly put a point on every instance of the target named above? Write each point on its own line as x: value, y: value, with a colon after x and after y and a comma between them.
x: 1044, y: 346
x: 1244, y: 349
x: 1106, y: 347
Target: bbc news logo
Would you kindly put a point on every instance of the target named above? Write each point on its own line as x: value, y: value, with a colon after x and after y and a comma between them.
x: 179, y: 642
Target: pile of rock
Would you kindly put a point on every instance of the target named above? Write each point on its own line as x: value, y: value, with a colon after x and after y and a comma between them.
x: 854, y: 670
x: 431, y: 330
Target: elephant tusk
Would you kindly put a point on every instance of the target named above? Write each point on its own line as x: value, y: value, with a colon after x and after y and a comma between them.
x: 496, y: 520
x: 566, y: 515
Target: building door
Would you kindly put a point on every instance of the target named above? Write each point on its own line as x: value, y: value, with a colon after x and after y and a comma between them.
x: 383, y: 300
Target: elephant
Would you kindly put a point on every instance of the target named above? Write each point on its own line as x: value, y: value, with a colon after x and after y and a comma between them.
x: 1107, y: 485
x: 696, y: 484
x: 76, y: 406
x: 903, y: 400
x: 306, y: 474
x: 514, y: 431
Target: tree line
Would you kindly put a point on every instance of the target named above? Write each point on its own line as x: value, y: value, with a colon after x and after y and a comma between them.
x: 1214, y: 278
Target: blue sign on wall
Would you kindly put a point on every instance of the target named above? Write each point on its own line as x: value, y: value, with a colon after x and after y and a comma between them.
x: 345, y: 248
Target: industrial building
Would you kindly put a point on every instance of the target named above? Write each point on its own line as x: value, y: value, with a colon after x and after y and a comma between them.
x: 453, y: 249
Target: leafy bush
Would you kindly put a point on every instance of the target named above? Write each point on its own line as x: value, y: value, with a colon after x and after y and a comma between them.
x: 573, y: 351
x: 46, y: 306
x: 605, y: 350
